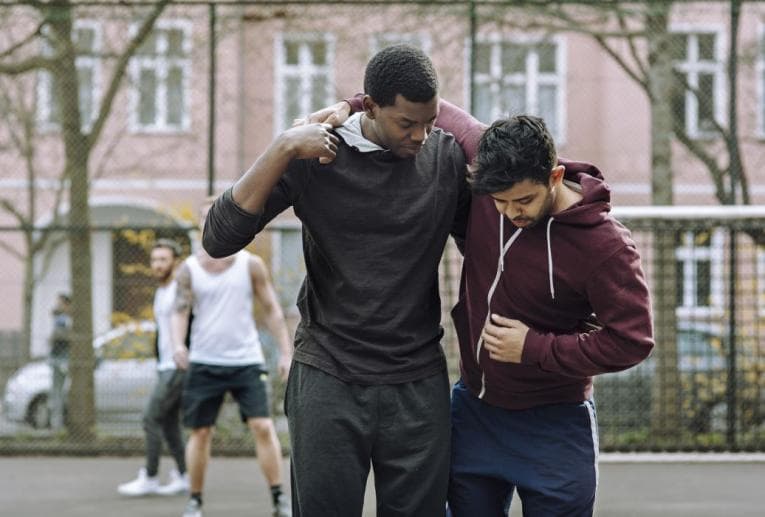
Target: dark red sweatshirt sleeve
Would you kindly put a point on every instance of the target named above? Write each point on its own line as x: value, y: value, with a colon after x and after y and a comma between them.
x: 619, y: 296
x: 467, y: 130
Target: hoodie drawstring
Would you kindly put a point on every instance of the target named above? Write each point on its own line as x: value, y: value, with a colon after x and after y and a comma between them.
x: 549, y: 259
x: 501, y: 236
x: 503, y: 249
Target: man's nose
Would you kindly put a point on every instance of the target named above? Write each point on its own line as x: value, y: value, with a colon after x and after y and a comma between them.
x: 419, y: 134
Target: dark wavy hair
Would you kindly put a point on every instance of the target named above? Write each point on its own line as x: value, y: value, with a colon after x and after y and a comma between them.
x: 512, y: 150
x: 400, y: 69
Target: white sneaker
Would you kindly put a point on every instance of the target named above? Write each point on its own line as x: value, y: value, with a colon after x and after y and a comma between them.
x: 193, y: 509
x: 282, y: 508
x: 142, y: 485
x: 177, y: 483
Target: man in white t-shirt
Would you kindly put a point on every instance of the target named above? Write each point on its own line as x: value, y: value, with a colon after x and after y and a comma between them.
x: 161, y: 416
x: 225, y: 355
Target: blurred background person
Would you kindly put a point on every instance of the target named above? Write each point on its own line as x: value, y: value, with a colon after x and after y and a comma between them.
x: 225, y: 355
x: 59, y: 357
x: 161, y: 418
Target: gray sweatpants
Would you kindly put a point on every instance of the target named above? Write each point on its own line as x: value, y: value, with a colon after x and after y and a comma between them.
x: 161, y: 418
x: 338, y: 430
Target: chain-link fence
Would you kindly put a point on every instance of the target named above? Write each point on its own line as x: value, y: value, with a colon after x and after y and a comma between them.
x: 703, y: 388
x: 117, y: 119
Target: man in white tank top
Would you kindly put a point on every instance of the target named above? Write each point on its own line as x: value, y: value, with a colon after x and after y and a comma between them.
x: 161, y: 416
x: 225, y: 355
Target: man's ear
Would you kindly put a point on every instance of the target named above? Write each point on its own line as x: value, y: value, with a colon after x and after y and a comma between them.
x: 556, y: 175
x: 370, y: 106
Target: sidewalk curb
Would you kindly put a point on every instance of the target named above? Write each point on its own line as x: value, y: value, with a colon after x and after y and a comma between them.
x: 681, y: 457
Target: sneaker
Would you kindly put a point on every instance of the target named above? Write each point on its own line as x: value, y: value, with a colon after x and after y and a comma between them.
x: 282, y: 508
x: 193, y: 509
x: 177, y: 483
x: 142, y: 485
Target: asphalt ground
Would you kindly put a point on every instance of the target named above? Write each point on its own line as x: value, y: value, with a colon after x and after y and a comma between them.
x: 629, y: 486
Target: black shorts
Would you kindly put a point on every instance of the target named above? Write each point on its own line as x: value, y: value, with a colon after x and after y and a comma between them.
x: 206, y: 385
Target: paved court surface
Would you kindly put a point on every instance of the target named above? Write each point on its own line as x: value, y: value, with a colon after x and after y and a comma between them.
x: 86, y: 487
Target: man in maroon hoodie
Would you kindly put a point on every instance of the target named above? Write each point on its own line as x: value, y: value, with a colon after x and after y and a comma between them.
x: 543, y: 261
x: 522, y: 414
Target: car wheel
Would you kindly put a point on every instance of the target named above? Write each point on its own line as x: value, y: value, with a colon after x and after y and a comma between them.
x: 38, y: 414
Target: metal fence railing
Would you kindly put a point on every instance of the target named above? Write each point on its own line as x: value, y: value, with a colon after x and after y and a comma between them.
x: 703, y: 388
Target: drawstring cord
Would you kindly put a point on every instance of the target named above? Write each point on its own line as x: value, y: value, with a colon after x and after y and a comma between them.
x: 549, y: 259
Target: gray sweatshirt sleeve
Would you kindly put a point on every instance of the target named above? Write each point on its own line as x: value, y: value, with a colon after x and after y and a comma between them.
x: 229, y: 228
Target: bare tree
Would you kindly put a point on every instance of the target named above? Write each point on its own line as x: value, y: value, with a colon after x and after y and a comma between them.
x: 54, y: 31
x: 18, y: 116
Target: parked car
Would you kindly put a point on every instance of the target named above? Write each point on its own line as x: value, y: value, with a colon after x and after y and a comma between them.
x: 124, y: 374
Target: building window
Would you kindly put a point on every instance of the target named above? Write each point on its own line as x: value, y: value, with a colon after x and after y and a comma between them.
x: 304, y: 80
x: 87, y: 43
x: 699, y: 99
x: 514, y: 77
x: 380, y: 40
x: 287, y: 264
x: 160, y: 72
x: 699, y: 263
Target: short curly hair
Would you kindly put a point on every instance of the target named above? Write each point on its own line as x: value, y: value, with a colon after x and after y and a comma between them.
x: 512, y: 150
x: 400, y: 69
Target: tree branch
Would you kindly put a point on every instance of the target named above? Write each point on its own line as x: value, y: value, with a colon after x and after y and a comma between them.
x: 120, y: 69
x: 642, y: 81
x: 12, y: 210
x: 27, y: 65
x: 698, y: 150
x: 11, y: 250
x: 13, y: 48
x: 642, y: 68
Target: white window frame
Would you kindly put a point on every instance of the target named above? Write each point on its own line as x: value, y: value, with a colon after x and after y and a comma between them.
x: 304, y: 70
x: 761, y: 280
x: 689, y: 255
x: 45, y: 81
x: 531, y: 79
x: 692, y: 67
x: 161, y: 64
x: 278, y: 228
x: 760, y: 71
x: 380, y: 40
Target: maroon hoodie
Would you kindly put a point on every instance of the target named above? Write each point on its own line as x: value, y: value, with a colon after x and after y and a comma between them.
x: 553, y: 277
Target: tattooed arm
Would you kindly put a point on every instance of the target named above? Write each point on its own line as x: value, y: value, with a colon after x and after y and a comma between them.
x: 179, y: 321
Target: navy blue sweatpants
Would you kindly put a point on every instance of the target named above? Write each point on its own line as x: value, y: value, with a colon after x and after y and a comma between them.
x: 548, y: 453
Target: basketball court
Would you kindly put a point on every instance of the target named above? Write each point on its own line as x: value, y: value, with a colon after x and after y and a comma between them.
x: 647, y: 485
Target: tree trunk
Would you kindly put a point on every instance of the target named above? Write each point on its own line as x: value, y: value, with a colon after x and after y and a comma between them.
x: 81, y: 361
x: 665, y: 407
x: 27, y: 299
x: 739, y: 191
